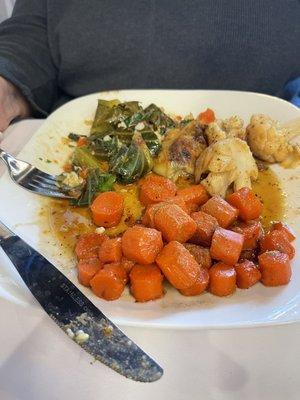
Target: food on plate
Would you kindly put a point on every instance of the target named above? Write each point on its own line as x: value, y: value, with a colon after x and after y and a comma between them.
x: 107, y: 209
x: 146, y: 282
x: 110, y: 250
x: 141, y: 244
x: 252, y: 232
x: 247, y: 204
x: 201, y: 254
x: 232, y: 127
x: 87, y: 269
x: 275, y: 268
x: 222, y: 279
x: 155, y: 188
x: 221, y: 210
x: 107, y: 284
x: 165, y: 197
x: 199, y: 286
x: 174, y: 223
x: 269, y: 141
x: 277, y: 240
x: 226, y: 246
x: 180, y: 149
x: 178, y: 265
x: 247, y: 274
x: 206, y: 225
x: 226, y: 162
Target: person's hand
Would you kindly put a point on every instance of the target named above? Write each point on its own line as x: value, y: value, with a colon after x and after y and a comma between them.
x: 12, y: 104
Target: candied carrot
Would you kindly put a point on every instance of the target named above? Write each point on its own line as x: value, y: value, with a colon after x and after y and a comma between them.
x: 277, y: 240
x: 200, y: 254
x: 199, y: 286
x: 224, y: 213
x: 146, y: 282
x: 178, y: 265
x: 206, y: 225
x: 141, y: 244
x: 88, y: 245
x: 155, y: 188
x: 87, y: 269
x: 107, y: 209
x: 110, y: 250
x: 107, y: 285
x: 222, y: 279
x: 247, y: 274
x: 226, y: 246
x: 249, y: 205
x: 275, y: 268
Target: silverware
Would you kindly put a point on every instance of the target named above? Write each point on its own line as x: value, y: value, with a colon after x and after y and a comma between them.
x: 31, y: 178
x: 75, y: 314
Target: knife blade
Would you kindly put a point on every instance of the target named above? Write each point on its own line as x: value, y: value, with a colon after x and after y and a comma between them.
x: 75, y: 314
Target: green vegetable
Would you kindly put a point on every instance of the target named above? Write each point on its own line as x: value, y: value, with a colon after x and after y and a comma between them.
x: 152, y: 141
x: 96, y: 182
x: 158, y: 119
x: 82, y: 157
x: 101, y: 148
x: 103, y: 114
x: 130, y: 163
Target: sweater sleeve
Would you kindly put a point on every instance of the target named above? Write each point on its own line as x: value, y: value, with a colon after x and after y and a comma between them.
x: 25, y: 58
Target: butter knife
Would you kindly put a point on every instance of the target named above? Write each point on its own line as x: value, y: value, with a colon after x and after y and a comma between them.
x: 77, y: 316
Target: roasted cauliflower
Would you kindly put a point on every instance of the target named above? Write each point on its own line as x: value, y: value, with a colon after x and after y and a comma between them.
x: 180, y: 149
x: 269, y: 141
x: 226, y: 128
x: 226, y: 161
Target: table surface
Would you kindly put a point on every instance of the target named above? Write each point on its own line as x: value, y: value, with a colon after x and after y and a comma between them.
x: 38, y: 361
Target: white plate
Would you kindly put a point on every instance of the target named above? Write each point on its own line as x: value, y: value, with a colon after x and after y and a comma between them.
x: 257, y: 306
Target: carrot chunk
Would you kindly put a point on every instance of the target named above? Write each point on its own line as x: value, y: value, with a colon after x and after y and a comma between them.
x: 226, y: 246
x: 277, y: 240
x: 110, y: 250
x: 174, y: 223
x: 180, y: 202
x: 280, y: 226
x: 249, y: 206
x: 252, y: 231
x: 178, y: 265
x: 127, y: 264
x: 88, y: 245
x: 200, y: 254
x: 155, y: 188
x: 224, y: 213
x: 107, y: 209
x: 206, y: 225
x: 194, y: 196
x: 247, y: 274
x: 199, y: 286
x: 141, y: 245
x: 107, y: 285
x: 87, y: 269
x: 146, y: 282
x: 118, y: 269
x: 206, y: 117
x: 275, y: 268
x: 222, y: 279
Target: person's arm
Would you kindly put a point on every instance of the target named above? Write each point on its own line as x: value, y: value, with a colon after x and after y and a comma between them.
x: 28, y: 76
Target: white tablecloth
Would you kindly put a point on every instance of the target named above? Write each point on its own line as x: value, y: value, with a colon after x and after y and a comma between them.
x: 39, y: 362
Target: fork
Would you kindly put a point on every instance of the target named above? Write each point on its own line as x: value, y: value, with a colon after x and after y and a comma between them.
x: 31, y: 178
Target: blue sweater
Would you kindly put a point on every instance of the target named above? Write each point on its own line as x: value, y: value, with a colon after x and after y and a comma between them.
x: 54, y: 50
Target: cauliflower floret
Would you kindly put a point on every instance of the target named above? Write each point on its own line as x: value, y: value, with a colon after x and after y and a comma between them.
x: 269, y: 141
x: 71, y: 179
x: 227, y: 128
x: 226, y: 161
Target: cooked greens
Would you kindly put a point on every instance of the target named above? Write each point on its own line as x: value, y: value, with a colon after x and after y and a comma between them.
x: 125, y: 137
x: 96, y: 182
